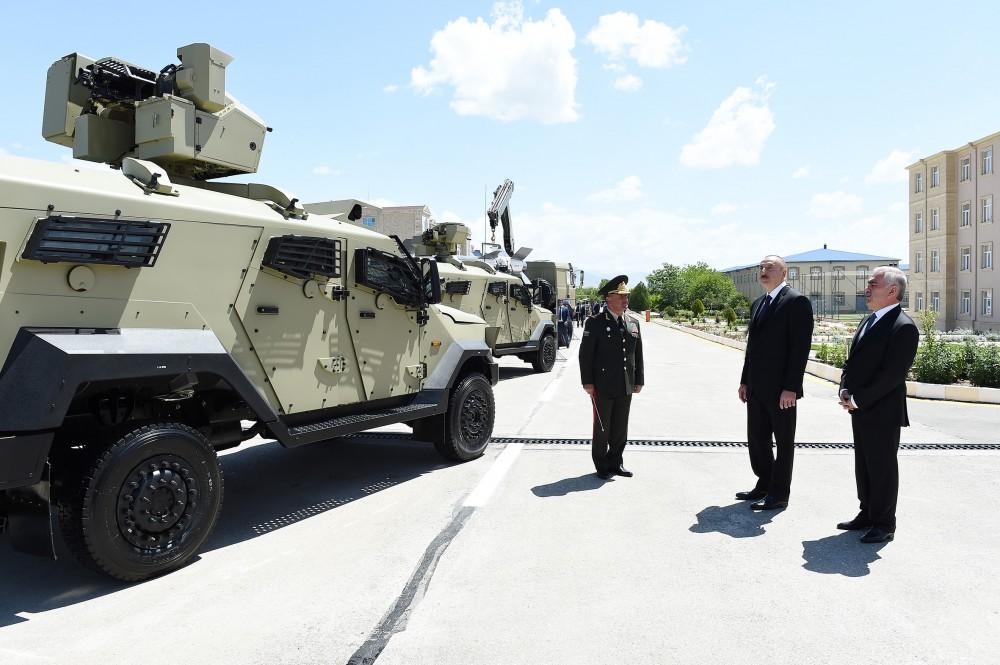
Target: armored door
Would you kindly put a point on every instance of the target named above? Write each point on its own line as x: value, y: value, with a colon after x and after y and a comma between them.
x: 519, y: 312
x: 494, y: 309
x: 294, y: 309
x: 382, y: 312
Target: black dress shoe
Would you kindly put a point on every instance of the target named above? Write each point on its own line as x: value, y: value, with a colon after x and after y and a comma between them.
x: 856, y: 524
x: 622, y: 471
x: 605, y: 475
x: 877, y: 534
x: 752, y: 495
x: 769, y: 503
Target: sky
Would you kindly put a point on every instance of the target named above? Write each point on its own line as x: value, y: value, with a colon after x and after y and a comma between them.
x: 636, y: 133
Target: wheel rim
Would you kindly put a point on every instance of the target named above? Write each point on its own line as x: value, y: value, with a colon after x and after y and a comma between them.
x: 549, y: 352
x: 156, y: 503
x: 475, y: 418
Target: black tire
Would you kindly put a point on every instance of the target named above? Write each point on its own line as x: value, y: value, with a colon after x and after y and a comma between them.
x: 146, y: 504
x: 545, y: 357
x: 463, y: 432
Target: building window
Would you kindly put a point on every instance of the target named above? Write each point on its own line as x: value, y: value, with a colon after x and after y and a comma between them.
x: 918, y: 262
x: 935, y: 220
x: 987, y: 300
x: 966, y: 302
x: 935, y: 176
x: 838, y: 272
x: 935, y: 301
x: 816, y: 274
x: 966, y: 214
x: 862, y: 272
x: 987, y: 208
x: 988, y: 160
x: 966, y: 259
x: 935, y: 261
x: 368, y: 222
x: 838, y: 299
x: 920, y: 300
x: 919, y: 183
x: 793, y: 273
x: 966, y: 168
x: 918, y: 222
x: 987, y: 255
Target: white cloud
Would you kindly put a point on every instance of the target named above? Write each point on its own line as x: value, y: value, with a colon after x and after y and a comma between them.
x: 628, y: 83
x: 389, y: 89
x: 898, y: 207
x: 890, y: 169
x: 650, y: 43
x: 629, y: 189
x: 736, y: 132
x: 801, y: 172
x: 512, y: 69
x: 834, y: 205
x: 613, y: 67
x: 323, y: 169
x: 724, y: 208
x: 3, y: 151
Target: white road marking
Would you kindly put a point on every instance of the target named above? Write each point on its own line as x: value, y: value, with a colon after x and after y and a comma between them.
x: 484, y: 490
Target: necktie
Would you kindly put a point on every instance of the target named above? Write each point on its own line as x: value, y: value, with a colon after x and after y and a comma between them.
x: 762, y: 310
x: 868, y: 326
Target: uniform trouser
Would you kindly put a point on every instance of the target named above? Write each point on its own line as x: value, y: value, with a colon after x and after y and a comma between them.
x: 876, y: 471
x: 610, y: 431
x: 764, y: 418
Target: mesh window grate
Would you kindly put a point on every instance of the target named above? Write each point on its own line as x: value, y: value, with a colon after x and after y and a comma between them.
x: 134, y: 244
x: 303, y: 256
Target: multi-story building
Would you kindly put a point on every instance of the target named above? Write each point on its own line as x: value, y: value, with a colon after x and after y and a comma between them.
x: 834, y: 280
x: 371, y: 215
x: 403, y: 221
x: 952, y: 235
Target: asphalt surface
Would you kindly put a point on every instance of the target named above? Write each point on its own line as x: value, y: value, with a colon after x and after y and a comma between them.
x: 371, y: 549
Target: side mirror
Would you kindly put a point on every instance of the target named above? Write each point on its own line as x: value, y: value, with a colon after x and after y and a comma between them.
x: 431, y: 281
x: 355, y: 213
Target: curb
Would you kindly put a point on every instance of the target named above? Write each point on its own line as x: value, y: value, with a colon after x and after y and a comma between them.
x: 952, y: 393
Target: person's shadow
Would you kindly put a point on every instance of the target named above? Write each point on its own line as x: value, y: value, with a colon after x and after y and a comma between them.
x: 586, y: 482
x: 840, y: 554
x: 736, y: 520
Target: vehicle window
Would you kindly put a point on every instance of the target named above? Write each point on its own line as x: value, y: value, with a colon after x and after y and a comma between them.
x: 303, y: 256
x: 497, y: 288
x: 389, y: 274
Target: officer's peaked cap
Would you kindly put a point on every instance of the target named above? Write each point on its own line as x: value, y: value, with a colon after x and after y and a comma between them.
x: 616, y: 285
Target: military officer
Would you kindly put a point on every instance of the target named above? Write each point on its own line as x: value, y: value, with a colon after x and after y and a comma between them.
x: 611, y: 372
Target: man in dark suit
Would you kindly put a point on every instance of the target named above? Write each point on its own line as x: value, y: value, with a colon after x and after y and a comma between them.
x: 873, y: 390
x: 780, y: 332
x: 611, y: 371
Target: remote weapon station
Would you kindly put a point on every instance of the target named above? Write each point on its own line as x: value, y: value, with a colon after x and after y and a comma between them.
x: 150, y: 317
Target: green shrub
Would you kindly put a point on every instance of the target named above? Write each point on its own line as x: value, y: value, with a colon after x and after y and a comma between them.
x: 984, y: 370
x: 670, y: 310
x: 935, y: 363
x: 823, y: 353
x: 698, y: 308
x: 730, y: 314
x: 838, y: 355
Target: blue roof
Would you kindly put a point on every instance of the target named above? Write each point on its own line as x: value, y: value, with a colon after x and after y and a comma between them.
x: 825, y: 254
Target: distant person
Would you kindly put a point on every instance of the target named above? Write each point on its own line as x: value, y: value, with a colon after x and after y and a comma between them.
x: 595, y: 308
x: 780, y: 334
x: 611, y: 370
x: 873, y: 390
x: 565, y: 324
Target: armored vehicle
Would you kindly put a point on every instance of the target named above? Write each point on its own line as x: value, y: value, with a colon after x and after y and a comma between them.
x: 150, y: 317
x: 561, y: 277
x: 494, y: 286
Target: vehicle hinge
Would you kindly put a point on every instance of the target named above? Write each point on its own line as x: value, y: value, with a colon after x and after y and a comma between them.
x: 335, y: 365
x: 422, y: 316
x: 418, y: 371
x: 338, y: 292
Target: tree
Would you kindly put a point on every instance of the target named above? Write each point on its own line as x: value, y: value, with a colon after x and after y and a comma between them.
x: 714, y: 289
x: 666, y: 284
x: 638, y: 299
x: 730, y: 314
x: 697, y: 309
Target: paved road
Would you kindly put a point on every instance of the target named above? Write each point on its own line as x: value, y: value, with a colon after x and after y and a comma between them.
x: 372, y: 548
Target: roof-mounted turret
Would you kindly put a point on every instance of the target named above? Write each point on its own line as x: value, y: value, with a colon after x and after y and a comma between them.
x: 181, y: 118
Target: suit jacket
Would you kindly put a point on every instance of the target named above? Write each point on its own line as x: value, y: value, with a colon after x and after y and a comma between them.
x: 778, y: 345
x: 876, y: 368
x: 610, y: 360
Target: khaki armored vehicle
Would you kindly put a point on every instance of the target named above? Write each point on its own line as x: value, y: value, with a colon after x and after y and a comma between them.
x: 150, y: 317
x: 494, y: 286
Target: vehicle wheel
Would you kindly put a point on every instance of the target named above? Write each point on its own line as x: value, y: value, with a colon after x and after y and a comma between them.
x: 146, y: 504
x: 469, y: 420
x: 545, y: 358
